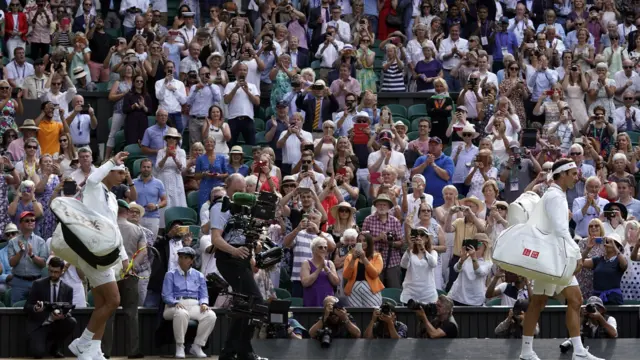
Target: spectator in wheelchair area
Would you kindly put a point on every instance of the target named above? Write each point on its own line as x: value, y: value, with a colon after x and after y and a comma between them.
x: 184, y: 303
x: 595, y: 323
x: 442, y: 325
x: 384, y: 324
x: 337, y: 319
x: 509, y: 287
x: 48, y: 330
x: 511, y: 327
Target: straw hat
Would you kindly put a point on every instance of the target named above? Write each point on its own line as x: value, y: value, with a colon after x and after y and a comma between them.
x: 469, y: 128
x: 237, y: 149
x: 336, y: 208
x: 135, y: 206
x: 29, y: 124
x: 172, y: 133
x: 474, y: 200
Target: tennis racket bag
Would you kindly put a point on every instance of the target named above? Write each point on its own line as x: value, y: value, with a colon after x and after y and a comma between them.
x: 532, y: 249
x: 83, y: 233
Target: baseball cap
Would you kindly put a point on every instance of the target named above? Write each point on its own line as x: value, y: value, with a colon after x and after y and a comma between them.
x: 435, y: 139
x: 123, y: 204
x: 24, y: 214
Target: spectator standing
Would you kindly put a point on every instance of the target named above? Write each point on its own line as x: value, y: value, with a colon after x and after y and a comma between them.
x: 469, y: 288
x: 28, y: 130
x: 345, y: 85
x: 10, y: 231
x: 317, y: 275
x: 241, y: 97
x: 451, y: 51
x: 362, y: 269
x: 16, y: 27
x: 100, y: 44
x: 85, y: 166
x: 278, y: 124
x: 129, y: 9
x: 50, y: 130
x: 588, y: 207
x: 420, y: 260
x: 191, y: 61
x: 33, y: 85
x: 19, y: 69
x: 393, y: 71
x: 151, y: 195
x: 171, y: 94
x: 437, y: 168
x: 170, y: 162
x: 202, y: 96
x: 53, y: 92
x: 80, y: 122
x: 291, y: 142
x: 135, y: 106
x: 607, y: 269
x: 210, y: 169
x: 215, y: 127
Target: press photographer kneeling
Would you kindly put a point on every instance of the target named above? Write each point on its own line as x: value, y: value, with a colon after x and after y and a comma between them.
x: 595, y: 324
x: 49, y: 321
x: 436, y: 320
x: 336, y: 323
x: 511, y: 327
x: 384, y: 324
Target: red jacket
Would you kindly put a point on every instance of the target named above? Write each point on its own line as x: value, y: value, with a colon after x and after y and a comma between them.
x: 23, y: 26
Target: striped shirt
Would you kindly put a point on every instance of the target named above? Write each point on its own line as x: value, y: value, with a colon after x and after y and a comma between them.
x: 392, y: 79
x: 302, y: 251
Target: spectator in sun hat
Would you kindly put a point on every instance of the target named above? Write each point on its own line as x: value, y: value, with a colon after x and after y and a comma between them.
x: 236, y: 162
x: 83, y: 80
x: 400, y: 138
x: 29, y: 130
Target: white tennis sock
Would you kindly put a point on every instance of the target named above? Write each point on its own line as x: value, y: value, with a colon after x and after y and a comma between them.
x: 86, y: 336
x: 527, y: 346
x: 578, y: 348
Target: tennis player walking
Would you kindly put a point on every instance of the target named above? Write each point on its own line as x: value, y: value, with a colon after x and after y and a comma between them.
x: 133, y: 239
x: 105, y: 292
x: 554, y: 200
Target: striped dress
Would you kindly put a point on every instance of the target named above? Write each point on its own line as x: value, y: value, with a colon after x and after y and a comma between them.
x: 301, y: 252
x: 392, y: 79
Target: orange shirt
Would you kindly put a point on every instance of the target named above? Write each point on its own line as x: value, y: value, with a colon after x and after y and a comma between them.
x: 49, y: 136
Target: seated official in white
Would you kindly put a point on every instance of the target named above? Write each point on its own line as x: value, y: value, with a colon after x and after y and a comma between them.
x: 184, y: 292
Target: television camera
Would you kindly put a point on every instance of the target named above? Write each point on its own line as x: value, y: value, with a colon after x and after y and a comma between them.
x: 250, y: 216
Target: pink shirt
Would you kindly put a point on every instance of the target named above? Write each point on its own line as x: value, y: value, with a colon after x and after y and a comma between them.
x: 40, y: 32
x: 16, y: 149
x: 351, y: 86
x: 298, y: 31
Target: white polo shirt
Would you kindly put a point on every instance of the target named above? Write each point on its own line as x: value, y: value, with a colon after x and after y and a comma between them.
x: 240, y: 105
x: 291, y: 153
x: 80, y: 129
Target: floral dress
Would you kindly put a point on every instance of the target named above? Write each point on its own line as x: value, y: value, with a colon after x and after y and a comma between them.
x: 585, y: 276
x: 281, y: 87
x: 629, y: 283
x: 366, y: 76
x: 602, y: 99
x: 517, y: 99
x: 8, y: 118
x: 47, y: 223
x: 4, y: 203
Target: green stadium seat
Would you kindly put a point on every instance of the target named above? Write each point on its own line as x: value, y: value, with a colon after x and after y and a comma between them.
x: 260, y: 139
x: 634, y: 136
x: 120, y: 142
x: 193, y: 200
x: 361, y: 215
x: 7, y: 296
x: 187, y: 215
x: 386, y: 300
x: 102, y: 87
x: 19, y: 304
x: 413, y: 135
x: 259, y: 124
x: 110, y: 121
x: 282, y: 293
x: 135, y: 170
x: 195, y: 231
x: 377, y: 64
x: 90, y: 298
x: 114, y: 33
x: 315, y: 65
x: 261, y: 113
x: 494, y: 302
x: 392, y: 293
x: 417, y: 111
x: 361, y: 203
x: 2, y: 304
x: 296, y: 302
x: 398, y: 110
x: 269, y: 113
x: 151, y: 120
x: 442, y: 292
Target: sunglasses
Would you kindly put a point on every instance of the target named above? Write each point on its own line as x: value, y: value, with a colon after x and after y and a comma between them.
x: 467, y: 135
x: 343, y: 210
x: 28, y: 221
x: 288, y: 185
x: 206, y: 74
x: 56, y: 84
x: 514, y: 68
x: 31, y: 147
x: 575, y: 153
x: 594, y: 226
x: 139, y: 81
x: 501, y: 207
x: 322, y: 247
x: 629, y: 98
x: 63, y: 140
x: 307, y: 161
x: 628, y: 66
x: 4, y: 88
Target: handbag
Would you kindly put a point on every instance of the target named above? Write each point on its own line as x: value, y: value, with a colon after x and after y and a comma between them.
x: 532, y: 250
x: 394, y: 21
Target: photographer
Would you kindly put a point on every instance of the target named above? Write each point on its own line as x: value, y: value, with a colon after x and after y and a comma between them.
x: 233, y: 259
x: 384, y: 325
x: 607, y: 269
x: 48, y: 329
x: 442, y: 325
x: 595, y: 324
x: 340, y: 324
x: 512, y: 289
x: 420, y: 260
x: 511, y: 327
x: 469, y: 288
x: 518, y: 171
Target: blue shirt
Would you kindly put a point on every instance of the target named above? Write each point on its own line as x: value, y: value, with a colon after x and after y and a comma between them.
x: 176, y: 285
x: 149, y: 193
x: 633, y: 208
x: 201, y: 100
x: 6, y: 268
x: 26, y: 266
x: 269, y: 60
x: 279, y: 129
x: 154, y: 139
x: 507, y: 40
x: 435, y: 184
x: 242, y: 170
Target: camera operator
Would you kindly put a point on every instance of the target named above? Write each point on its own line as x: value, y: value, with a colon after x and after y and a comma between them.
x: 340, y: 324
x: 443, y: 325
x: 511, y: 327
x: 595, y: 324
x: 384, y: 325
x: 48, y: 330
x: 233, y: 259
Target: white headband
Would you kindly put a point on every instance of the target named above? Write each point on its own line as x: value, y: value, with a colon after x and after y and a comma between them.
x: 565, y: 167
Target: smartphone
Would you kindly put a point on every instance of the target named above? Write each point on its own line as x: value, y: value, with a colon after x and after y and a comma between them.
x: 85, y: 109
x: 414, y: 232
x: 529, y: 138
x: 470, y: 242
x: 549, y: 92
x: 359, y: 246
x: 360, y: 131
x: 172, y: 148
x: 598, y: 240
x: 342, y: 171
x: 69, y: 188
x: 375, y: 178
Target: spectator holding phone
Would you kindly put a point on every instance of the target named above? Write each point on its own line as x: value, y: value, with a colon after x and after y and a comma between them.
x: 474, y: 266
x: 510, y: 287
x: 607, y: 269
x: 420, y: 260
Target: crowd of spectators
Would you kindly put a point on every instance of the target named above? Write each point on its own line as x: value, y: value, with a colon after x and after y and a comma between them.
x: 377, y: 204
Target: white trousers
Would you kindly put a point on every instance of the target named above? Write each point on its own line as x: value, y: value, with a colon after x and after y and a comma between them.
x: 152, y: 224
x: 14, y: 43
x: 181, y: 317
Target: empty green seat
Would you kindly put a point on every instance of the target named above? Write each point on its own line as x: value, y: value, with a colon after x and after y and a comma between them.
x: 361, y: 215
x: 193, y: 200
x: 282, y: 293
x: 392, y: 293
x: 417, y: 111
x: 186, y: 215
x: 413, y: 135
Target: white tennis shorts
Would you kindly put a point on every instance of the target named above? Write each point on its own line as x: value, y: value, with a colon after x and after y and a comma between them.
x: 542, y: 288
x: 96, y: 277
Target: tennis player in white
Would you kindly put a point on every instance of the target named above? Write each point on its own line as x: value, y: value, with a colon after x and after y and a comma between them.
x: 106, y: 296
x: 565, y: 176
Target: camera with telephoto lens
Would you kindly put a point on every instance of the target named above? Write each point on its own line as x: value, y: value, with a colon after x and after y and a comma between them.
x: 430, y: 309
x: 591, y: 309
x: 385, y: 309
x: 324, y: 335
x: 58, y: 307
x: 251, y: 215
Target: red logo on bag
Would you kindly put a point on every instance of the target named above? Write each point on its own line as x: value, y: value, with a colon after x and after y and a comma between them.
x: 535, y: 254
x: 526, y: 252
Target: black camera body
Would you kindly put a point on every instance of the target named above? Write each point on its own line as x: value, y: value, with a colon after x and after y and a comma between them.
x: 324, y: 335
x: 390, y: 238
x: 63, y: 307
x: 430, y: 309
x: 591, y: 309
x: 385, y: 309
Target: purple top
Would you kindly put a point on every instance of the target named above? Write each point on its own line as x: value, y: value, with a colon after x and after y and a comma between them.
x: 430, y: 69
x: 314, y: 295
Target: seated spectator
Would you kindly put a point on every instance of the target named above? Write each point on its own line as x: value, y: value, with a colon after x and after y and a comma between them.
x: 497, y: 214
x: 420, y: 261
x: 184, y: 303
x: 607, y: 269
x: 83, y: 79
x: 363, y: 264
x: 627, y: 117
x: 317, y: 275
x: 595, y: 324
x: 85, y: 166
x: 626, y: 189
x: 469, y: 288
x: 384, y: 324
x: 337, y: 319
x: 614, y: 217
x: 48, y: 330
x: 624, y: 145
x: 10, y: 231
x: 511, y: 288
x: 511, y: 327
x: 619, y: 167
x: 437, y: 168
x: 443, y: 325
